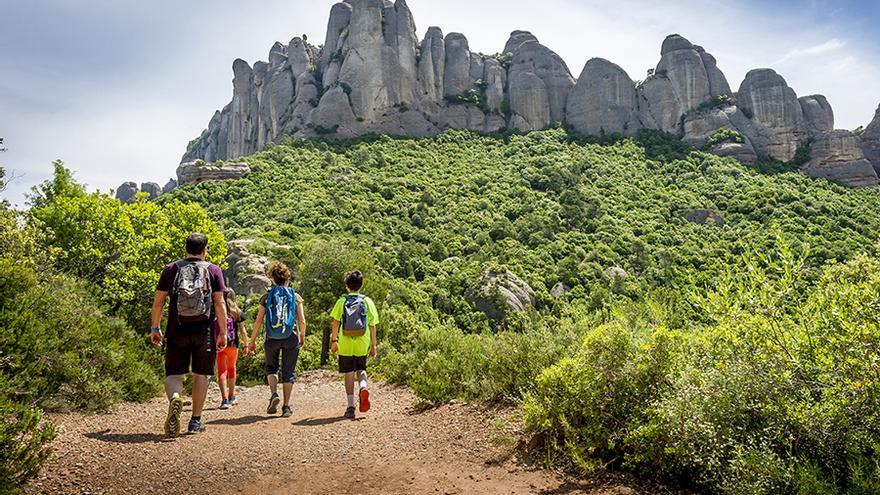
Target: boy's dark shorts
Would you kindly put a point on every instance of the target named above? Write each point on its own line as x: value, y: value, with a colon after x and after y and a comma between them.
x: 190, y: 344
x: 348, y: 364
x: 288, y: 349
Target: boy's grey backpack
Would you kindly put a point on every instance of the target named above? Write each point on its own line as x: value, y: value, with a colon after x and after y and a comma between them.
x: 192, y: 286
x: 354, y: 315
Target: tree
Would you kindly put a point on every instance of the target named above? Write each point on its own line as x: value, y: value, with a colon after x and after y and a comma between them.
x: 120, y: 248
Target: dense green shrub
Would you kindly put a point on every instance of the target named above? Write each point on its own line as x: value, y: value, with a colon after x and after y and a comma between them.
x: 120, y: 248
x: 24, y: 444
x: 724, y: 135
x: 60, y: 351
x: 776, y: 394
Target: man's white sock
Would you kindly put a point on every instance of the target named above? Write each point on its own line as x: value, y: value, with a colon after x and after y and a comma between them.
x: 350, y: 401
x: 363, y: 383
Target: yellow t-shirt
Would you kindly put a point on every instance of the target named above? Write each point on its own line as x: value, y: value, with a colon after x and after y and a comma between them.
x: 355, y: 346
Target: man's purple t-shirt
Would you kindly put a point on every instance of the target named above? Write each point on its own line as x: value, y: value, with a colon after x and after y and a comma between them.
x: 166, y: 284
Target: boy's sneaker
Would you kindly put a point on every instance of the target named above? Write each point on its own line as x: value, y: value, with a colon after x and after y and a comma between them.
x: 172, y: 420
x: 364, y: 400
x: 224, y: 404
x: 232, y: 400
x: 349, y: 412
x: 286, y: 412
x: 273, y: 404
x: 196, y: 426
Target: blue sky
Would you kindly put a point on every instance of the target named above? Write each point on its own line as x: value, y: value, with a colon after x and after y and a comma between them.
x: 117, y: 89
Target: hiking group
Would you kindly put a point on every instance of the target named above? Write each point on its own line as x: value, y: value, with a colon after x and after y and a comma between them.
x: 205, y: 328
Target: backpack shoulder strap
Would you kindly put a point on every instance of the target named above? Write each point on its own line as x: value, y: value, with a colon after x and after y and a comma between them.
x: 177, y: 266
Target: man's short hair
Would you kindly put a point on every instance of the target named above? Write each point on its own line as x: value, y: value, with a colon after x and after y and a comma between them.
x: 354, y: 280
x: 196, y: 243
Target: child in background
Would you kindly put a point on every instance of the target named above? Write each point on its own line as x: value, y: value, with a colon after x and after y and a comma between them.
x: 227, y: 357
x: 355, y: 313
x: 282, y: 310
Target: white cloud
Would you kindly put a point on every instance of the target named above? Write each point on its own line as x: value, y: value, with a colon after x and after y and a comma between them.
x: 831, y: 45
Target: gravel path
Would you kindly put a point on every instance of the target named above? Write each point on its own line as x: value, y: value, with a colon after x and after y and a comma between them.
x: 393, y: 449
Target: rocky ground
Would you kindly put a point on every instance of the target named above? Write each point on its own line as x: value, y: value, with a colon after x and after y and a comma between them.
x: 396, y: 448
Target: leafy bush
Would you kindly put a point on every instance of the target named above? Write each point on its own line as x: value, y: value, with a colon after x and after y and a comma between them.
x: 776, y: 394
x: 121, y: 248
x: 724, y: 135
x: 471, y: 96
x: 60, y: 351
x: 24, y: 445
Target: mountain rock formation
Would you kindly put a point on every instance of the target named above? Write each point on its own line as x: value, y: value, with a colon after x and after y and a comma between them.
x: 871, y: 141
x: 372, y: 74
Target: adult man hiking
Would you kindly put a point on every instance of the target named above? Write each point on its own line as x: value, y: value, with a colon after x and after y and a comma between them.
x: 196, y: 288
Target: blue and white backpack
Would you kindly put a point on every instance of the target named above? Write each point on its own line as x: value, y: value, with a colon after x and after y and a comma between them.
x: 280, y: 313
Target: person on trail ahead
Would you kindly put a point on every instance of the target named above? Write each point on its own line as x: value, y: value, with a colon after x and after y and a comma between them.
x: 196, y: 288
x: 226, y: 358
x: 282, y: 310
x: 355, y: 313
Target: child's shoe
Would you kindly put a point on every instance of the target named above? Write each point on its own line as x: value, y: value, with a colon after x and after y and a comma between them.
x: 364, y: 400
x: 232, y: 400
x: 224, y: 404
x: 273, y: 404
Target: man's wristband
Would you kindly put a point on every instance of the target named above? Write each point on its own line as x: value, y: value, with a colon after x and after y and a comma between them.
x: 335, y: 340
x: 155, y: 330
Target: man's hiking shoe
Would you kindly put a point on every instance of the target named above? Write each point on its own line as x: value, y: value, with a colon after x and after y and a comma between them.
x: 232, y: 400
x: 364, y: 400
x: 286, y: 412
x: 196, y: 426
x: 224, y: 404
x: 172, y: 420
x: 349, y: 413
x: 273, y: 404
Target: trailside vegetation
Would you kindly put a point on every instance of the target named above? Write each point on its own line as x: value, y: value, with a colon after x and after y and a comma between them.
x: 732, y: 356
x: 77, y: 273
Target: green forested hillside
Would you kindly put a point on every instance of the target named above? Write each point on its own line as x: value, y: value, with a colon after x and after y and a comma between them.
x: 736, y: 356
x: 545, y: 206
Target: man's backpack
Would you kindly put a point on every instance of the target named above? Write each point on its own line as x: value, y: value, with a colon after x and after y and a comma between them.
x: 280, y: 313
x: 230, y: 329
x: 354, y: 315
x: 192, y: 287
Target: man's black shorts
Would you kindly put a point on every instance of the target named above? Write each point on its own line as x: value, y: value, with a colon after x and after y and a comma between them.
x: 347, y: 364
x: 191, y: 344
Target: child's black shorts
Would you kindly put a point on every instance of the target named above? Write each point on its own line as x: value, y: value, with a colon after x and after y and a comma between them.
x: 348, y: 364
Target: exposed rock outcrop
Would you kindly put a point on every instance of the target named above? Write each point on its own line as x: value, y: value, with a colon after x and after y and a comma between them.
x: 127, y: 191
x: 499, y: 293
x: 559, y: 289
x: 603, y: 100
x: 706, y: 128
x: 703, y: 216
x: 169, y: 186
x: 199, y: 171
x: 373, y: 75
x: 838, y: 156
x: 871, y: 141
x: 539, y: 83
x: 818, y: 115
x: 151, y: 188
x: 246, y: 274
x: 685, y: 78
x: 774, y: 108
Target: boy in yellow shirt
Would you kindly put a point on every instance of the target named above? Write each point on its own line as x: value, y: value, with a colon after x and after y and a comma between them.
x: 355, y: 314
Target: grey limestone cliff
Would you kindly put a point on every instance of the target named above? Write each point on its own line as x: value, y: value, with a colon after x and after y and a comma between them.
x: 373, y: 74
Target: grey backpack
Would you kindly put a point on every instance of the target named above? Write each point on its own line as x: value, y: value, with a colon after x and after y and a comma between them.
x: 192, y: 286
x: 354, y: 315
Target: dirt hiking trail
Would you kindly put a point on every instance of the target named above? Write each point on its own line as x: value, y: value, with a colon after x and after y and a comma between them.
x: 393, y: 449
